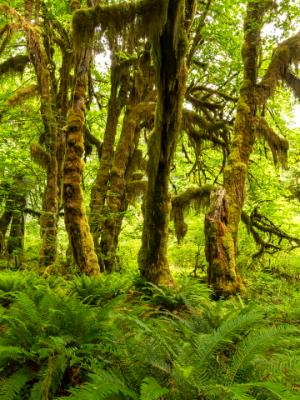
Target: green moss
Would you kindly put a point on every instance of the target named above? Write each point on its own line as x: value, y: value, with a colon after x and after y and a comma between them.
x: 83, y: 26
x: 40, y: 156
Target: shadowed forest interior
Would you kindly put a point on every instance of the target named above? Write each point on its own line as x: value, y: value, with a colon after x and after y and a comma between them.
x: 149, y: 199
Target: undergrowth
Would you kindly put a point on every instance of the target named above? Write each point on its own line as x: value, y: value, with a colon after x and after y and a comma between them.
x: 118, y: 338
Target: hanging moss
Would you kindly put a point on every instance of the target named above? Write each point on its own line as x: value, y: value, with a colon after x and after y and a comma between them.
x: 83, y: 26
x: 40, y: 156
x: 145, y: 18
x: 135, y: 188
x: 198, y: 198
x: 293, y: 82
x: 279, y: 145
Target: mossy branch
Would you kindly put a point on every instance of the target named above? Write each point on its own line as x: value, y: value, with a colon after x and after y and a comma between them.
x: 258, y: 224
x: 37, y: 213
x: 279, y: 145
x: 198, y: 35
x: 199, y: 129
x: 199, y: 89
x: 191, y: 118
x: 147, y: 18
x: 6, y: 34
x: 40, y: 156
x: 20, y: 95
x: 287, y: 53
x: 92, y: 140
x: 15, y: 64
x: 293, y: 82
x: 196, y: 197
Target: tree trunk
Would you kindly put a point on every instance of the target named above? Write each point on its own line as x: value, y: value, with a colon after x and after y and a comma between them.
x: 15, y: 242
x: 100, y: 186
x: 48, y: 220
x: 117, y: 201
x: 14, y: 216
x: 222, y: 219
x: 170, y: 50
x: 76, y: 222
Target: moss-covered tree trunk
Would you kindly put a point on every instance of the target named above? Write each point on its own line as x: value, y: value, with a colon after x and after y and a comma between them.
x: 4, y: 224
x: 15, y: 241
x: 13, y: 216
x: 117, y: 199
x: 76, y: 222
x: 100, y: 186
x: 223, y: 217
x: 170, y: 52
x: 48, y: 220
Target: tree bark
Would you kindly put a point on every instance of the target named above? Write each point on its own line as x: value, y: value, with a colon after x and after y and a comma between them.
x: 13, y: 215
x: 76, y: 222
x: 48, y: 220
x: 171, y: 71
x: 222, y: 219
x: 117, y: 201
x: 100, y: 186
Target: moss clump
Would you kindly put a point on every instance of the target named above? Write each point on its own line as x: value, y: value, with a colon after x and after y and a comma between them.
x: 195, y: 197
x: 146, y: 17
x: 83, y: 27
x: 40, y: 156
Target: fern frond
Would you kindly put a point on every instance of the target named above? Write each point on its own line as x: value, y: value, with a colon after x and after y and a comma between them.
x: 208, y: 345
x: 11, y: 387
x: 49, y: 377
x: 151, y: 389
x: 272, y: 391
x: 11, y: 353
x: 254, y: 344
x: 102, y: 386
x: 234, y: 392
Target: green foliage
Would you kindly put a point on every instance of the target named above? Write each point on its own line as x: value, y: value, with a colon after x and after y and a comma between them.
x: 84, y: 339
x: 115, y: 337
x: 97, y: 291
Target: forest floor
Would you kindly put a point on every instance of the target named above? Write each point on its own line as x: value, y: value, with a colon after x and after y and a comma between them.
x: 118, y: 337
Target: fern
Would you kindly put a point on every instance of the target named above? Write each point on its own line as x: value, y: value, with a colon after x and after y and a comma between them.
x: 103, y: 385
x: 98, y: 291
x: 272, y: 391
x: 234, y: 392
x: 50, y: 377
x: 254, y: 344
x: 207, y: 346
x: 151, y: 389
x: 11, y: 353
x: 11, y: 387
